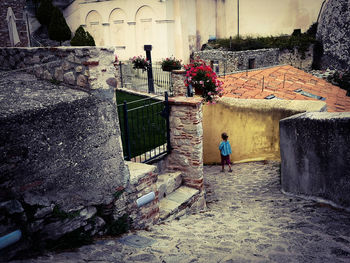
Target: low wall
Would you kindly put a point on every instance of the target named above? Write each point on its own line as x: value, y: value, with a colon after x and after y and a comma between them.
x: 231, y: 61
x: 252, y: 126
x: 84, y: 67
x: 315, y: 155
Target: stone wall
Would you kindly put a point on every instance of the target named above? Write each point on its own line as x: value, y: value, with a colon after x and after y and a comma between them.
x: 252, y: 126
x: 62, y: 164
x: 89, y: 68
x: 333, y: 31
x: 296, y: 59
x: 315, y: 154
x: 232, y: 61
x: 18, y: 9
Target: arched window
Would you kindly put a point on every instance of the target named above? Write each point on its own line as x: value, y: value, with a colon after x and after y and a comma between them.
x: 117, y: 23
x: 94, y: 27
x: 144, y: 28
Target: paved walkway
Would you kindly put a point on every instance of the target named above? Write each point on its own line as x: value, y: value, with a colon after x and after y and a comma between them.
x: 248, y: 220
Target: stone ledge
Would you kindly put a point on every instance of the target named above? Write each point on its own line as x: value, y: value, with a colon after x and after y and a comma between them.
x: 179, y: 71
x: 186, y: 101
x: 139, y: 170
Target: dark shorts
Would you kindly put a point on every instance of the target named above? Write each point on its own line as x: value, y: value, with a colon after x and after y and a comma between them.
x: 225, y: 159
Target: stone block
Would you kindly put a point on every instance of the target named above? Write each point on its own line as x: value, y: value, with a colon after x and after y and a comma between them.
x: 47, y: 75
x: 66, y: 65
x: 79, y: 69
x: 69, y: 78
x: 315, y: 156
x: 35, y: 60
x: 64, y: 144
x: 82, y: 81
x: 58, y: 74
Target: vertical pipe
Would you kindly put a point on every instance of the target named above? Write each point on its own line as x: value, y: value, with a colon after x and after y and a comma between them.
x: 121, y: 73
x: 237, y: 18
x: 126, y: 129
x: 148, y: 49
x: 170, y: 84
x: 167, y: 122
x: 284, y: 79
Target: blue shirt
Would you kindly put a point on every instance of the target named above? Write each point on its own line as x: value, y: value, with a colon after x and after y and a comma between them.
x: 225, y: 148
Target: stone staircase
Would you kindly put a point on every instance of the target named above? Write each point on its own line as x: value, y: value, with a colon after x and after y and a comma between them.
x: 174, y: 198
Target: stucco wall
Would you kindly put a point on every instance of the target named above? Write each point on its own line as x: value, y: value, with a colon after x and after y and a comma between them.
x: 252, y: 126
x: 315, y: 153
x: 126, y: 25
x: 272, y: 17
x: 182, y: 26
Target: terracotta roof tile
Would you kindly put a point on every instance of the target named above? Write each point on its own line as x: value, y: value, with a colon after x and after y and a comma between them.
x: 282, y: 81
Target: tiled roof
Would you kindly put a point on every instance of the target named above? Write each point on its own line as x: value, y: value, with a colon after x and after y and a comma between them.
x: 282, y: 82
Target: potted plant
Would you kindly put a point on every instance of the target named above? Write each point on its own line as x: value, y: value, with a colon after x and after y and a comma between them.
x: 204, y: 80
x: 140, y: 62
x: 170, y: 64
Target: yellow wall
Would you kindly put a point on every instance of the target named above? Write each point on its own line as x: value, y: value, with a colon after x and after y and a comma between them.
x: 252, y: 127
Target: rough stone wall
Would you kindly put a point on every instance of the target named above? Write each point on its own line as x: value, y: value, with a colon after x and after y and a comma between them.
x: 334, y: 32
x: 315, y: 155
x: 18, y: 9
x: 88, y: 68
x: 178, y: 80
x: 62, y: 164
x: 295, y: 59
x: 231, y: 61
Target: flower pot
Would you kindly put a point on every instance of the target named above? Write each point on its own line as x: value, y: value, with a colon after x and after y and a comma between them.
x: 198, y: 91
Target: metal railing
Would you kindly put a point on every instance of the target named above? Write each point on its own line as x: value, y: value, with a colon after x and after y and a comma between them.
x: 145, y: 128
x: 137, y: 79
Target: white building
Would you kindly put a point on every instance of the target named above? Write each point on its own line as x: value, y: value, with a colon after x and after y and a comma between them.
x: 178, y: 27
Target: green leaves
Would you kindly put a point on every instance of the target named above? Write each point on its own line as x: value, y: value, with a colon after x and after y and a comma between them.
x: 58, y: 28
x: 82, y: 38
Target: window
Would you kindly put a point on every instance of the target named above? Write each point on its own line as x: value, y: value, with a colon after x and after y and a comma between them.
x: 308, y: 94
x: 251, y: 63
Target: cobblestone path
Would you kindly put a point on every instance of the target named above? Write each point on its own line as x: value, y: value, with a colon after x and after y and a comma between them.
x: 248, y: 220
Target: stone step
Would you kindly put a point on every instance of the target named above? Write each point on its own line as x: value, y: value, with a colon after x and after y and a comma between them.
x: 139, y: 170
x: 176, y: 202
x: 168, y: 183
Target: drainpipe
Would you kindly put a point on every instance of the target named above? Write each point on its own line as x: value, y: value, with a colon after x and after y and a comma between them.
x: 9, y: 239
x: 237, y: 18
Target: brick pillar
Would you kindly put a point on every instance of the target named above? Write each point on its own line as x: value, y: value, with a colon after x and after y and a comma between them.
x: 186, y: 137
x: 178, y: 78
